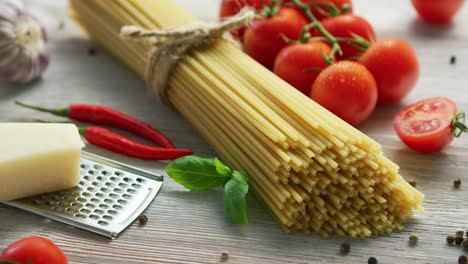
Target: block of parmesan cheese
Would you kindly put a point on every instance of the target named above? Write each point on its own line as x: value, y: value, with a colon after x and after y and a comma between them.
x: 38, y: 158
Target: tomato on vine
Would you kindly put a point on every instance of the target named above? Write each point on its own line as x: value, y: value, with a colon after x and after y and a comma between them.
x: 346, y: 89
x: 231, y: 7
x: 348, y: 27
x: 395, y: 67
x: 437, y: 11
x: 429, y: 125
x: 326, y: 8
x: 300, y: 64
x: 264, y: 39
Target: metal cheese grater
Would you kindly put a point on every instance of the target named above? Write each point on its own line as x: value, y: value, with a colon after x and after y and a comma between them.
x: 109, y: 197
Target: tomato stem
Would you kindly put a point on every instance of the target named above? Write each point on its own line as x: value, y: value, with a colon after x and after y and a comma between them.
x: 315, y: 23
x: 458, y: 125
x: 271, y: 10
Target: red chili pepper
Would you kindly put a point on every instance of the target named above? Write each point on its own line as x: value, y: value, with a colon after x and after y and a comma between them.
x: 102, y: 115
x: 114, y: 142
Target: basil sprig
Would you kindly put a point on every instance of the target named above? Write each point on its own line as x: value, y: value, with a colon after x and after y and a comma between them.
x: 201, y: 174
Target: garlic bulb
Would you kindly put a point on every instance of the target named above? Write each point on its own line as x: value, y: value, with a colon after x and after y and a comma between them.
x: 23, y: 53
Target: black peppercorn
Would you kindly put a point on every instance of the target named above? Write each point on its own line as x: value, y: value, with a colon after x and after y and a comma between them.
x: 413, y: 239
x: 462, y: 260
x: 450, y: 239
x: 91, y: 51
x: 224, y: 256
x: 453, y: 59
x: 465, y: 243
x: 143, y: 219
x: 458, y: 240
x: 457, y: 183
x: 345, y: 248
x: 372, y: 260
x: 412, y: 182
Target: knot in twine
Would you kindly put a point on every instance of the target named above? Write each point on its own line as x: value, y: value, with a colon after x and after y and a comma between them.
x: 170, y: 45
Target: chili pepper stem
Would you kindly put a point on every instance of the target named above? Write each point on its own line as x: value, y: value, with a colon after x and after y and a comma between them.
x: 58, y: 111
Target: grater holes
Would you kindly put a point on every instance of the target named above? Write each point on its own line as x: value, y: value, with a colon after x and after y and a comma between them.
x: 77, y: 188
x: 83, y: 166
x: 136, y: 186
x: 103, y: 206
x: 126, y: 179
x: 104, y: 173
x: 87, y: 194
x: 104, y: 189
x: 49, y: 203
x: 103, y: 223
x: 140, y: 180
x: 118, y: 207
x: 127, y: 196
x: 80, y: 216
x: 70, y: 210
x: 113, y: 195
x: 118, y: 190
x: 95, y: 200
x: 95, y: 183
x: 107, y: 217
x: 81, y: 183
x: 86, y: 177
x: 123, y: 185
x: 85, y: 210
x: 94, y: 217
x: 110, y: 184
x: 122, y: 201
x: 97, y: 167
x: 81, y: 199
x: 91, y: 172
x: 132, y: 191
x: 112, y: 212
x: 114, y: 179
x: 118, y: 173
x: 36, y: 202
x: 57, y: 208
x: 109, y: 201
x: 62, y: 204
x: 91, y: 189
x: 75, y: 204
x: 90, y: 205
x: 100, y: 195
x: 99, y: 211
x: 99, y: 178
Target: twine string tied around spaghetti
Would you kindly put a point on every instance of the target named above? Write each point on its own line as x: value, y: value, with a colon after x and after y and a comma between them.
x: 171, y: 44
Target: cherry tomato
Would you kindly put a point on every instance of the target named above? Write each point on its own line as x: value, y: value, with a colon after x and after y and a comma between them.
x: 437, y: 11
x: 426, y: 126
x: 346, y: 89
x: 232, y: 7
x: 343, y: 27
x: 263, y: 40
x: 394, y: 65
x: 320, y: 12
x: 37, y: 250
x: 299, y: 64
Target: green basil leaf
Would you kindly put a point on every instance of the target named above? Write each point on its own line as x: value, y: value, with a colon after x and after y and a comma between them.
x: 221, y: 168
x: 235, y: 205
x: 195, y: 173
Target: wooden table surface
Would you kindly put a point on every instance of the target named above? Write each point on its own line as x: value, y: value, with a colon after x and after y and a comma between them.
x: 187, y: 227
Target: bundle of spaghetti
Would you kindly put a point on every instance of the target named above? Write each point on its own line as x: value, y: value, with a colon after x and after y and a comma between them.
x: 312, y: 170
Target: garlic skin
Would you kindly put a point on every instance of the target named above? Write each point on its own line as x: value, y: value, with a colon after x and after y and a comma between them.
x: 23, y: 52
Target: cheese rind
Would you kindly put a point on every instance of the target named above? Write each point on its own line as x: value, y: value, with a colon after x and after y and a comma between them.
x: 38, y: 158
